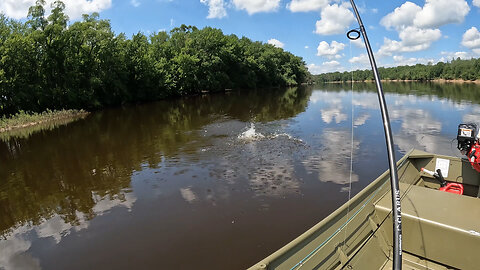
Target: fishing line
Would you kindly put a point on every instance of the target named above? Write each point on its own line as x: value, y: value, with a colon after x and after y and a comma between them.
x: 351, y: 148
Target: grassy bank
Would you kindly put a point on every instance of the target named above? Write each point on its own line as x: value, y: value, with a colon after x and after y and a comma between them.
x: 23, y: 120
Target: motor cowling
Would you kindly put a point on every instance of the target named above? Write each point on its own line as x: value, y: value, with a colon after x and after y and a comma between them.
x: 468, y: 143
x: 466, y: 137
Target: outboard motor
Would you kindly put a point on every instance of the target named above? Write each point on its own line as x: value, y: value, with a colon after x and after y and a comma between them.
x: 469, y: 144
x: 466, y: 137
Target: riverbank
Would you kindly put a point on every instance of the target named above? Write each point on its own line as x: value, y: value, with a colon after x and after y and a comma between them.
x: 455, y: 71
x: 435, y: 81
x: 455, y: 81
x: 23, y: 120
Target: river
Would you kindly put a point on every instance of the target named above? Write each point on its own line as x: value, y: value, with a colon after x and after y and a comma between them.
x: 209, y: 182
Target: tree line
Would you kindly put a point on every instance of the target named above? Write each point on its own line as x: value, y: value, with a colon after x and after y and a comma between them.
x: 47, y: 62
x: 468, y: 70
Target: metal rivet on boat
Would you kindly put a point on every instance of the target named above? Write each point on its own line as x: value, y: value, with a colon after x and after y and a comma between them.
x: 263, y: 266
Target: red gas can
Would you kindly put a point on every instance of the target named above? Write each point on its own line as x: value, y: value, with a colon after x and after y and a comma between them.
x: 455, y: 188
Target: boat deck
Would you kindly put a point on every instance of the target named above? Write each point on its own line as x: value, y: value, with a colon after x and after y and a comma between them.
x: 435, y: 223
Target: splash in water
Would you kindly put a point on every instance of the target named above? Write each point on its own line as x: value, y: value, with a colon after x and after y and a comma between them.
x: 251, y: 134
x: 286, y: 135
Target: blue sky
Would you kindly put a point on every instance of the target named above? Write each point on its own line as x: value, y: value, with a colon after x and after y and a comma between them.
x: 401, y: 32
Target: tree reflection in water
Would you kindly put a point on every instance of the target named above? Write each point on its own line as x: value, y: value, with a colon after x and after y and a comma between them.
x: 67, y: 171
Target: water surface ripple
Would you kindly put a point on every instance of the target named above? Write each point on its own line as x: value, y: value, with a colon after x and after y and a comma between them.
x: 210, y: 182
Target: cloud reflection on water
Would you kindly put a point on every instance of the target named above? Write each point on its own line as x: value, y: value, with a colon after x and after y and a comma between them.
x: 473, y: 116
x: 331, y: 107
x: 419, y: 128
x: 13, y: 254
x: 360, y: 120
x: 14, y: 247
x: 420, y: 124
x: 332, y: 162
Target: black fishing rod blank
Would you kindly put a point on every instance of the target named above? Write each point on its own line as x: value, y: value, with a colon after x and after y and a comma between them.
x: 396, y: 205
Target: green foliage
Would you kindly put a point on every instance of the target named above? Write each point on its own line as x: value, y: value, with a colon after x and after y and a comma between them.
x: 467, y: 70
x: 21, y: 118
x: 48, y: 63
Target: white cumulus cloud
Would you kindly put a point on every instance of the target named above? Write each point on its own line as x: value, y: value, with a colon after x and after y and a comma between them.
x: 412, y: 39
x: 436, y: 13
x: 75, y: 8
x: 412, y: 36
x: 255, y: 6
x: 433, y: 14
x: 18, y: 9
x: 358, y: 43
x: 334, y: 19
x: 393, y: 46
x: 307, y: 5
x: 330, y: 66
x: 216, y: 8
x: 403, y: 61
x: 275, y: 42
x: 476, y: 3
x: 471, y: 38
x: 15, y: 9
x: 400, y: 58
x: 134, y: 3
x: 361, y: 59
x: 330, y: 50
x: 401, y: 16
x: 417, y: 26
x: 454, y: 55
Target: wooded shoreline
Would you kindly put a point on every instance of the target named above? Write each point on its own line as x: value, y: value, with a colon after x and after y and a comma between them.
x: 47, y: 62
x: 456, y: 70
x: 435, y: 81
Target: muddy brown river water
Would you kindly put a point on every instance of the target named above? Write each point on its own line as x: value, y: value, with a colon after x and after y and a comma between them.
x: 210, y: 182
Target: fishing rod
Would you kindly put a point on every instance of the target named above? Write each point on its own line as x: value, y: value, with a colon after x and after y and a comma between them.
x: 396, y: 205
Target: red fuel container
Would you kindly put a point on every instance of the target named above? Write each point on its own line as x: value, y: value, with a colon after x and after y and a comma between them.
x: 455, y: 188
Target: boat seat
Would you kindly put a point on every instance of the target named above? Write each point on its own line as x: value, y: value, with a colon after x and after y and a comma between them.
x: 439, y: 226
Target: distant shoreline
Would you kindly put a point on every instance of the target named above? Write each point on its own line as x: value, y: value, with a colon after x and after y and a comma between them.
x: 435, y: 80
